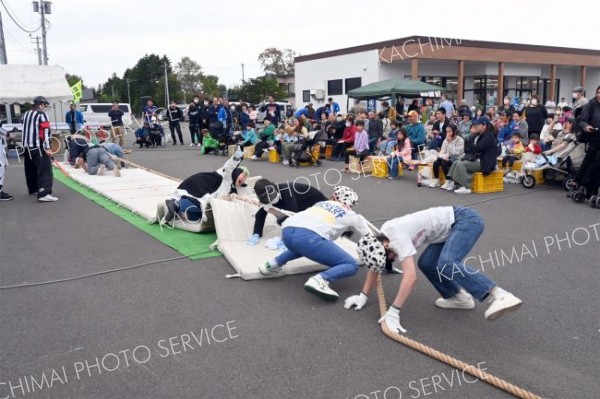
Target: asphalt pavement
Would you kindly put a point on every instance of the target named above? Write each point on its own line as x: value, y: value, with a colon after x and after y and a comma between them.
x: 179, y: 329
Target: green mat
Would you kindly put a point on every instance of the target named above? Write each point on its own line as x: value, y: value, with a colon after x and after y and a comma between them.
x: 193, y: 245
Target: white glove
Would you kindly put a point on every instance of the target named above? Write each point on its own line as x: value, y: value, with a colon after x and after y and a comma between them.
x: 359, y: 301
x: 239, y: 154
x: 392, y: 320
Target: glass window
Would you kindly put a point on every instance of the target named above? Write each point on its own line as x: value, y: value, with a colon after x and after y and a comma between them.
x: 353, y: 83
x: 334, y: 87
x: 305, y: 96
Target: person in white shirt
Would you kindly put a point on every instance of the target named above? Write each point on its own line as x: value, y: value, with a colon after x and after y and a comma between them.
x: 449, y: 234
x: 311, y: 233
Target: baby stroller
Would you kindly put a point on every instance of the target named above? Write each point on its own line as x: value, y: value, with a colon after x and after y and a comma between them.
x: 302, y: 151
x: 558, y: 168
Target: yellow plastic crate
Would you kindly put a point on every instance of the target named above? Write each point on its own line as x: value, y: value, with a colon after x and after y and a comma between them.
x: 379, y: 166
x: 273, y: 155
x: 430, y: 166
x: 538, y: 175
x: 248, y: 152
x: 517, y: 166
x: 355, y: 166
x: 492, y: 183
x: 316, y: 151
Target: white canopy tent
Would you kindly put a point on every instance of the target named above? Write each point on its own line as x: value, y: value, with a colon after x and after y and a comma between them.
x: 22, y: 83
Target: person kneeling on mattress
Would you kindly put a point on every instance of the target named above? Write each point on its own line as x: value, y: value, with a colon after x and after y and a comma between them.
x: 96, y: 159
x: 449, y: 233
x: 295, y: 197
x: 311, y: 234
x: 193, y: 194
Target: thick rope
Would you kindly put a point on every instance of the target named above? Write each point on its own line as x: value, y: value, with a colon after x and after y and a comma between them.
x: 449, y: 360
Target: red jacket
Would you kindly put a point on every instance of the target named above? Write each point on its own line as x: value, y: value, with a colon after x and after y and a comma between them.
x: 349, y: 133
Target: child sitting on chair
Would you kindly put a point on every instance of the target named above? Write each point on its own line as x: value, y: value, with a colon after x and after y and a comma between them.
x: 514, y: 151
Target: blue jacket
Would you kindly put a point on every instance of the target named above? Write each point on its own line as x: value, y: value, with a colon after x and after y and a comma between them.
x: 78, y: 118
x: 300, y: 112
x: 336, y: 108
x: 505, y: 133
x: 249, y: 136
x: 416, y: 133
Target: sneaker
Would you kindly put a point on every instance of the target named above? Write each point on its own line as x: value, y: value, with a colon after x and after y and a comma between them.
x: 449, y: 185
x: 285, y: 162
x: 198, y: 145
x: 254, y: 158
x: 392, y: 321
x: 461, y: 300
x: 101, y: 170
x: 271, y: 271
x: 433, y: 183
x: 47, y: 198
x: 192, y: 144
x: 462, y: 190
x: 5, y: 196
x: 318, y: 286
x: 392, y: 178
x: 265, y: 150
x: 502, y: 303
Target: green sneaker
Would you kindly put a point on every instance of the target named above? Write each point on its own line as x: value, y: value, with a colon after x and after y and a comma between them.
x: 270, y: 271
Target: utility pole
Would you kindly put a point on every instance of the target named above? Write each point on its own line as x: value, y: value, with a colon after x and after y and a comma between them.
x: 38, y: 49
x: 243, y: 80
x: 166, y: 86
x: 128, y: 93
x: 3, y: 59
x: 43, y: 8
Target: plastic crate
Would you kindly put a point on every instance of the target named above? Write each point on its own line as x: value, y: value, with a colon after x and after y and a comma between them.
x: 430, y: 166
x: 248, y: 152
x: 379, y: 166
x: 538, y: 175
x: 517, y: 166
x: 492, y: 183
x: 328, y: 151
x: 356, y: 167
x: 273, y: 155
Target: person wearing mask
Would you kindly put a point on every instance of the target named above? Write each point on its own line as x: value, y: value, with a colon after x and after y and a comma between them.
x: 194, y: 124
x: 74, y: 118
x: 347, y: 139
x: 536, y: 115
x: 174, y: 116
x: 116, y: 123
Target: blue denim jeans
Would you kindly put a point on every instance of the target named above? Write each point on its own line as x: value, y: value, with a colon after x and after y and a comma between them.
x: 306, y: 243
x: 443, y: 263
x: 393, y: 163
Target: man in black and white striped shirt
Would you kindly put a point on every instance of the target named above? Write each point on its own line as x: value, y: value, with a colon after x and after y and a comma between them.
x: 36, y: 143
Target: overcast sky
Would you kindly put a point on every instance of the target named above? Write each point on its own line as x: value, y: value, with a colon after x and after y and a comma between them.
x: 94, y: 38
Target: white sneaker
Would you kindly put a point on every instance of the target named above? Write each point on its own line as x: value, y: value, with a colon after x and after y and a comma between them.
x: 425, y: 182
x: 265, y: 150
x: 502, y: 303
x: 254, y: 157
x: 47, y: 198
x: 433, y: 183
x: 198, y: 145
x: 271, y: 271
x: 461, y: 300
x: 192, y: 144
x: 320, y: 287
x: 101, y: 170
x: 462, y: 190
x: 449, y: 185
x: 392, y: 321
x: 285, y: 162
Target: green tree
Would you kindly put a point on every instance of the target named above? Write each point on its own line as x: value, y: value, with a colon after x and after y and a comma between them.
x: 256, y: 90
x: 279, y: 62
x: 210, y: 85
x: 189, y: 74
x: 72, y: 79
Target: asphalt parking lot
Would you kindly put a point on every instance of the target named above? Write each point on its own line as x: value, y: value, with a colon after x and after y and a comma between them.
x: 179, y: 329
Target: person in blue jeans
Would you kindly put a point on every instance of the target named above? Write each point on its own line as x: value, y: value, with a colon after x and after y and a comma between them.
x: 449, y: 234
x: 311, y: 233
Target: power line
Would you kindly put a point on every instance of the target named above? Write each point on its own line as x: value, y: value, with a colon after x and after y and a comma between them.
x: 15, y: 21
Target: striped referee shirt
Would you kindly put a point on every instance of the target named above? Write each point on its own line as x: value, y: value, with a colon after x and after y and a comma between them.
x: 36, y: 129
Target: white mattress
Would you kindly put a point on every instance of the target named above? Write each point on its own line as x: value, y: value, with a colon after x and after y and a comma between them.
x: 234, y: 222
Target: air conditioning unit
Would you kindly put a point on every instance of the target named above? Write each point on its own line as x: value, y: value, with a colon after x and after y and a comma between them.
x: 318, y: 94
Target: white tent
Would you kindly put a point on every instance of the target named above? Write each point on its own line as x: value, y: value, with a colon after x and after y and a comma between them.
x: 22, y: 83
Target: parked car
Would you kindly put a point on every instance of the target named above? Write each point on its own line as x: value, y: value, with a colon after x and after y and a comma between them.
x: 98, y: 113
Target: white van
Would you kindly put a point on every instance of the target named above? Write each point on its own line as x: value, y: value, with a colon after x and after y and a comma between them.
x: 284, y: 108
x: 97, y: 113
